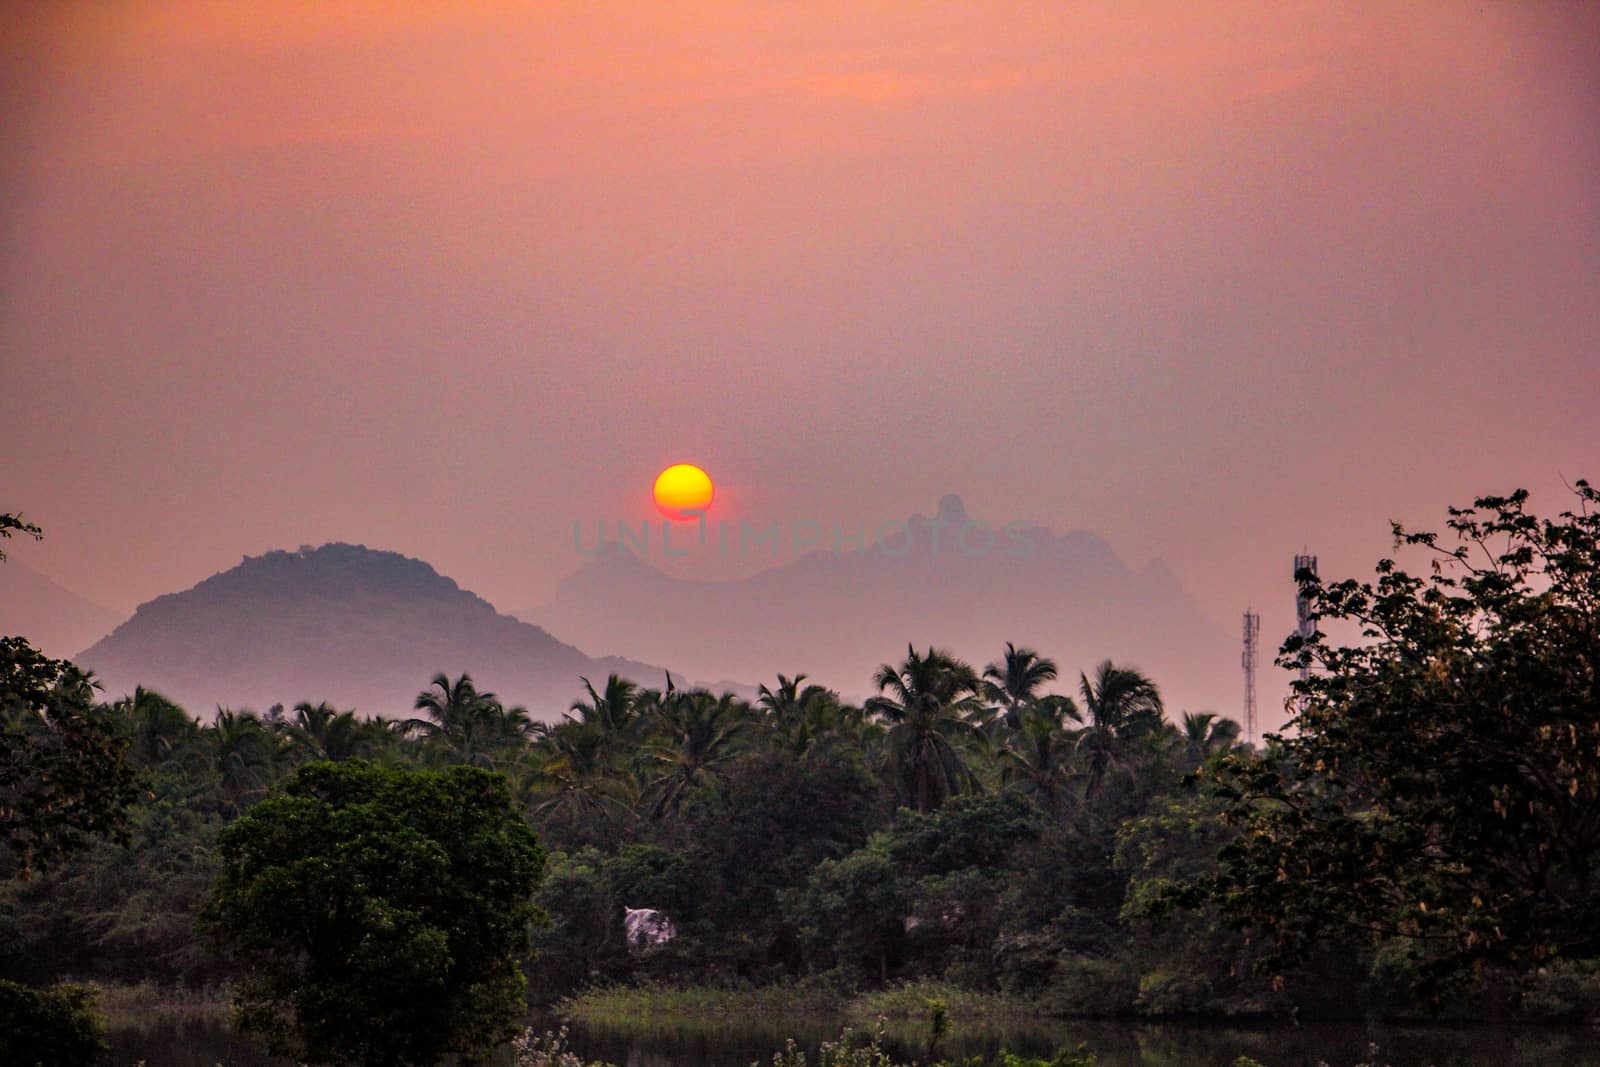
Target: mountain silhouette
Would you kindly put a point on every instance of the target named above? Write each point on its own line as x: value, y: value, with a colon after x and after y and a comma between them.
x: 53, y: 618
x: 343, y: 623
x: 837, y: 615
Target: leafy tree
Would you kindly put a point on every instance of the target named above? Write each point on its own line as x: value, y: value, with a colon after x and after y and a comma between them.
x: 773, y: 819
x: 955, y: 865
x: 1190, y: 961
x: 1440, y: 794
x: 380, y: 913
x: 583, y: 941
x: 123, y: 913
x: 969, y: 832
x: 63, y: 773
x: 850, y: 912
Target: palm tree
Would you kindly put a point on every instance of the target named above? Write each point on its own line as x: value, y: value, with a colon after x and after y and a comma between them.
x: 1037, y: 757
x: 468, y: 726
x: 510, y: 726
x: 323, y: 732
x: 697, y: 735
x: 928, y: 702
x: 242, y: 751
x: 1012, y: 682
x: 1207, y: 735
x: 158, y: 727
x: 574, y: 773
x: 450, y: 705
x: 1122, y: 706
x: 613, y: 711
x: 800, y: 717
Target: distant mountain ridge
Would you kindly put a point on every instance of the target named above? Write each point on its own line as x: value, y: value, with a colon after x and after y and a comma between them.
x: 837, y: 615
x: 55, y: 619
x: 351, y: 625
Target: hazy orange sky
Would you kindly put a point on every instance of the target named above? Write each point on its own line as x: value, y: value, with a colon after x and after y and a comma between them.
x: 1213, y: 280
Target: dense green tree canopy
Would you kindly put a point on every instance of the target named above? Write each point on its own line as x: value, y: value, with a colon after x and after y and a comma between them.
x: 63, y: 774
x: 1439, y: 796
x: 1432, y: 814
x: 48, y: 1027
x: 380, y: 914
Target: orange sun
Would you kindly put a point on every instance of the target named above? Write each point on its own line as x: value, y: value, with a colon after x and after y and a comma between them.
x: 682, y: 491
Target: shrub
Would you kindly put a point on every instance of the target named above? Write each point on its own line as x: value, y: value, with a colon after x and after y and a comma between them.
x: 849, y: 1051
x: 49, y: 1027
x: 1087, y: 985
x: 1163, y: 992
x: 1566, y: 992
x: 547, y: 1050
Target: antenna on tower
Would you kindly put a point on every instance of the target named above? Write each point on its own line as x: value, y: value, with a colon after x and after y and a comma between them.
x: 1252, y: 637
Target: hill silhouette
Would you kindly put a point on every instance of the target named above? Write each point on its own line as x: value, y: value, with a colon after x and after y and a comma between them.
x: 55, y: 619
x: 355, y: 626
x: 837, y: 615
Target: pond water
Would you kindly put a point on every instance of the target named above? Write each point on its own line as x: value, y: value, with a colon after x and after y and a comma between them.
x: 739, y: 1042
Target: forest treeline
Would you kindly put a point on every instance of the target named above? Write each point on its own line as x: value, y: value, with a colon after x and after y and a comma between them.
x: 1427, y: 838
x: 963, y: 824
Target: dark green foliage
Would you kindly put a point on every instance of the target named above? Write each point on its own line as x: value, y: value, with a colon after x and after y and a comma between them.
x: 1440, y: 800
x: 119, y: 912
x: 771, y: 823
x: 464, y: 725
x: 48, y: 1027
x: 850, y: 914
x: 696, y: 736
x: 1197, y: 962
x: 974, y: 830
x: 980, y: 831
x: 582, y: 942
x: 63, y: 775
x: 380, y: 914
x: 931, y: 707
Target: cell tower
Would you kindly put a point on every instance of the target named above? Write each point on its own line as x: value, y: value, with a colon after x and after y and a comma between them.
x: 1252, y: 637
x: 1305, y: 625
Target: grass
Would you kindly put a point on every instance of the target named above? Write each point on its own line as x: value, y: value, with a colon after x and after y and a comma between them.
x: 551, y: 1050
x: 616, y: 1004
x: 911, y: 1000
x: 908, y: 1001
x: 144, y: 1004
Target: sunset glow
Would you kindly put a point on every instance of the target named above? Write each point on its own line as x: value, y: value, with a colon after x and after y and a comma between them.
x: 1147, y: 587
x: 1087, y: 265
